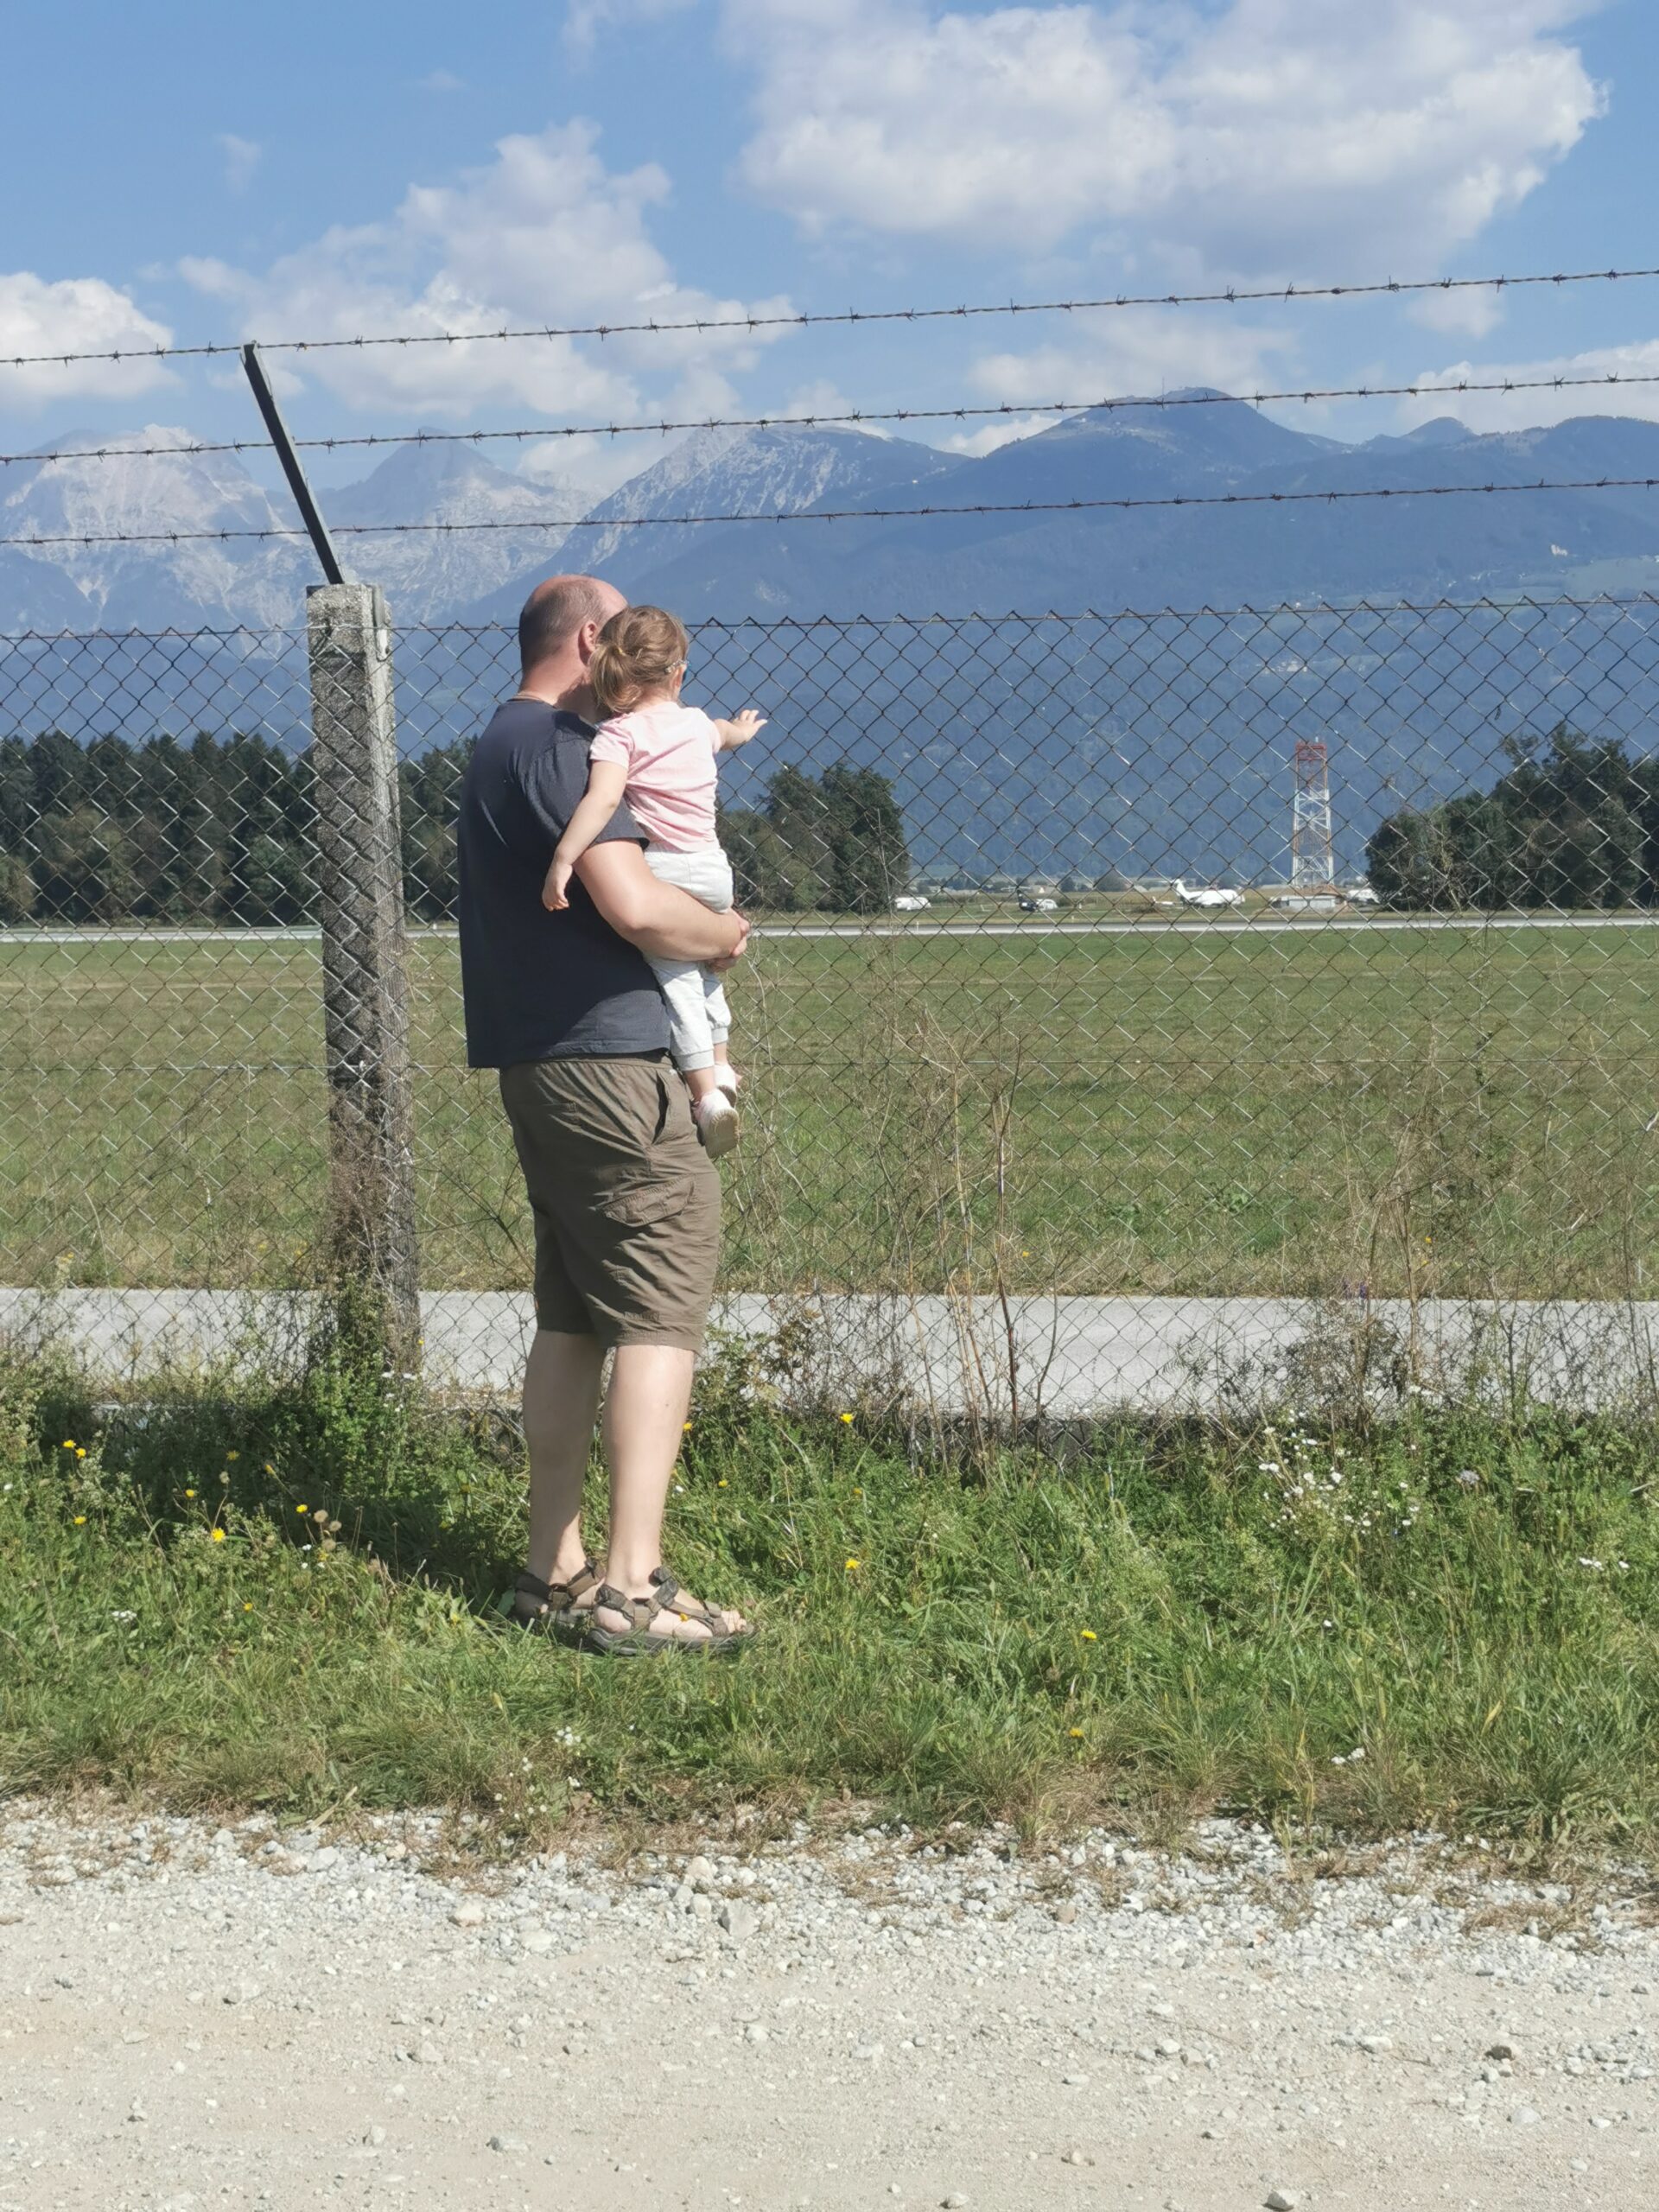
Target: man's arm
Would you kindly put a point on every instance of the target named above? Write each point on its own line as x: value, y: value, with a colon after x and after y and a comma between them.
x: 667, y: 923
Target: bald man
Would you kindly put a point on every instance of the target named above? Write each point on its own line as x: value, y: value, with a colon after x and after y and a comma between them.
x: 625, y: 1202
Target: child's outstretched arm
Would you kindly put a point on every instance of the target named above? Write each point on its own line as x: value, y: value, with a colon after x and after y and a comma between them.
x: 739, y: 730
x: 607, y: 781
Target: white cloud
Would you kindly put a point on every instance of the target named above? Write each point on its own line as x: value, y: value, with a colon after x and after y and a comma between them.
x: 1519, y: 410
x: 1002, y: 432
x: 590, y: 469
x: 543, y: 234
x: 1470, y: 315
x: 1262, y: 137
x: 585, y: 20
x: 74, y: 314
x: 820, y: 397
x: 1117, y: 353
x: 242, y: 157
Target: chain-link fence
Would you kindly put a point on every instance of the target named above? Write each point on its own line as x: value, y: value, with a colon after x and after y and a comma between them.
x: 1129, y: 993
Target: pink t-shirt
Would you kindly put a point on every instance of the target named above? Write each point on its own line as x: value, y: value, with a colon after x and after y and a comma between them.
x: 669, y: 752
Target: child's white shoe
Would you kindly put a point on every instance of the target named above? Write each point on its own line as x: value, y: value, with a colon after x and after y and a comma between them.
x: 716, y: 1120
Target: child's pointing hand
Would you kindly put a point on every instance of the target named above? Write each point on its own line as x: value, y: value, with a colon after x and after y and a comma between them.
x: 739, y: 729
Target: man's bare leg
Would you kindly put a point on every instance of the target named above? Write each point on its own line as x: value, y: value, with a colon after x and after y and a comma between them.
x: 560, y: 1405
x: 644, y: 1422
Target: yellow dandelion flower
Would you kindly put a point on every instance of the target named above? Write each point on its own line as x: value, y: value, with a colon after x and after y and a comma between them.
x: 80, y: 1520
x: 189, y: 1493
x: 721, y: 1484
x: 302, y: 1509
x: 69, y: 1443
x: 1074, y: 1731
x: 80, y: 1451
x: 847, y: 1417
x: 688, y: 1425
x: 853, y: 1565
x: 248, y: 1607
x: 219, y: 1536
x: 270, y: 1470
x: 232, y: 1455
x: 1089, y: 1636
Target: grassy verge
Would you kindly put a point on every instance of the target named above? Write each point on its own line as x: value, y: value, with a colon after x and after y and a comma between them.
x: 290, y: 1600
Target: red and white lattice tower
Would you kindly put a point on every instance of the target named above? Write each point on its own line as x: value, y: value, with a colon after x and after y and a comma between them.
x: 1313, y: 862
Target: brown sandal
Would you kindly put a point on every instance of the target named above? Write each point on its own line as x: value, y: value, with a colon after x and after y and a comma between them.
x: 634, y: 1641
x: 551, y: 1608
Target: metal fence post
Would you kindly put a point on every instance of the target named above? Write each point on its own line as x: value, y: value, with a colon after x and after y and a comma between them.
x: 365, y: 981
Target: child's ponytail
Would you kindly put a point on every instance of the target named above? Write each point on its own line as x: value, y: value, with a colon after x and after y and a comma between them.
x: 638, y: 653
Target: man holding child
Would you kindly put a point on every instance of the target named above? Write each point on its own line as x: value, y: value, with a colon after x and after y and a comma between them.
x: 625, y: 1201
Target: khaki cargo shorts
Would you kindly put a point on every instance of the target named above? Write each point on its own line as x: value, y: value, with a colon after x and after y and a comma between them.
x: 625, y: 1201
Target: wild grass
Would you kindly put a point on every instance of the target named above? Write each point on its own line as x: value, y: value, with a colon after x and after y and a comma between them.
x: 1460, y: 1111
x: 290, y: 1599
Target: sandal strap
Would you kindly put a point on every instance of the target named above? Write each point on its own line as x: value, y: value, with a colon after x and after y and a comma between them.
x: 671, y: 1599
x: 665, y: 1597
x: 555, y: 1596
x: 640, y: 1611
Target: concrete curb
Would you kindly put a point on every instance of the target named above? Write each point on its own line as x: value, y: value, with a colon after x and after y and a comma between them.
x: 1058, y: 1358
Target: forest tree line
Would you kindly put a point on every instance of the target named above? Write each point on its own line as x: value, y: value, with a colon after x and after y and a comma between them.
x: 1572, y: 825
x: 217, y: 829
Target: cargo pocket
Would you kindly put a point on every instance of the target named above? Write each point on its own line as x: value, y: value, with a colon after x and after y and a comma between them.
x: 639, y: 1205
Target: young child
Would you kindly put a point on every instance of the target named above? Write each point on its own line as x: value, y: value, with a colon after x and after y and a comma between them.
x: 659, y: 756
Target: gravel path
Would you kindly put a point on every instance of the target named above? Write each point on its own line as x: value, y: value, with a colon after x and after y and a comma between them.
x: 194, y: 2017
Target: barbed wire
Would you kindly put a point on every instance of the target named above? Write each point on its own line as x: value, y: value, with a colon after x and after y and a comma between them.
x: 850, y: 514
x: 1000, y: 410
x: 1238, y: 610
x: 1231, y: 295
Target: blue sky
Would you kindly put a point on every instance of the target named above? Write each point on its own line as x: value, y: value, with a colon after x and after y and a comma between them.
x: 324, y: 169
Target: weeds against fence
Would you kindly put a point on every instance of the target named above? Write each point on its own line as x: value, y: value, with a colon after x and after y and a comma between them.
x: 288, y: 1592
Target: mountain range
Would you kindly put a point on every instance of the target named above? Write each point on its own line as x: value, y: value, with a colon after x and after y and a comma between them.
x: 1523, y: 541
x: 1045, y: 745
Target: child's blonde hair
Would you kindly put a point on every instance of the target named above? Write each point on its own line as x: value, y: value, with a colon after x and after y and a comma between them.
x: 638, y: 652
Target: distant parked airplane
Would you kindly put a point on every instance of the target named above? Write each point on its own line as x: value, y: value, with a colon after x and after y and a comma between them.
x: 912, y: 903
x: 1207, y: 896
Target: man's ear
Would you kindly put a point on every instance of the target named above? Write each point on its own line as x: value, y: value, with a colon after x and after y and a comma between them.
x: 587, y: 639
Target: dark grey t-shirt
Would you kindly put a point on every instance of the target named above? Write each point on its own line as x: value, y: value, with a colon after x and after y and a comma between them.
x: 537, y: 986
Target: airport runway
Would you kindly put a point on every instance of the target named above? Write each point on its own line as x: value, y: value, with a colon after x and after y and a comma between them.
x: 1153, y: 925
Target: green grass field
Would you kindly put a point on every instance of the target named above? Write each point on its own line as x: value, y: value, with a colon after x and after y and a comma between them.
x: 1171, y: 1623
x: 1453, y: 1111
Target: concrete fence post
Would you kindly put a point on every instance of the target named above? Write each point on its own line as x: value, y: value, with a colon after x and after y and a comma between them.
x: 374, y: 1255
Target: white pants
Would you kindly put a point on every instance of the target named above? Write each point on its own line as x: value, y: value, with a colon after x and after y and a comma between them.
x: 698, y: 1016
